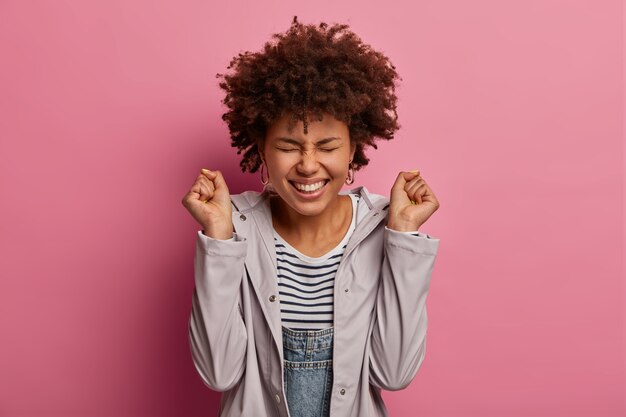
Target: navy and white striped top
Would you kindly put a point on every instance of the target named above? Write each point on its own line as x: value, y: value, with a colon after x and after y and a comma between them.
x: 306, y: 285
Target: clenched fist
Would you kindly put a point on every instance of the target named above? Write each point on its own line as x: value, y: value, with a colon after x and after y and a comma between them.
x: 412, y: 202
x: 208, y: 201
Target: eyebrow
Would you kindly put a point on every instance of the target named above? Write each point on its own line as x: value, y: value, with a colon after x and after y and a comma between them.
x: 297, y: 142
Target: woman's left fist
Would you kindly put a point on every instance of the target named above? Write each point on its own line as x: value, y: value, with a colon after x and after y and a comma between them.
x: 411, y: 203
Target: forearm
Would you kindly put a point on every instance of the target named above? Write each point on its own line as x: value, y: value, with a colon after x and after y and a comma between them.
x: 398, y: 338
x: 217, y: 332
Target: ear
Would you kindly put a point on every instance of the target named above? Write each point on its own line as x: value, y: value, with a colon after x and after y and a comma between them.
x: 260, y: 147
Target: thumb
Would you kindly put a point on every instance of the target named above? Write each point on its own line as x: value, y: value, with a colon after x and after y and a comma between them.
x: 219, y: 181
x: 221, y: 192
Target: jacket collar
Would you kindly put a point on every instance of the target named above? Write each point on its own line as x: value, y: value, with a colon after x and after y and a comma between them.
x: 256, y: 205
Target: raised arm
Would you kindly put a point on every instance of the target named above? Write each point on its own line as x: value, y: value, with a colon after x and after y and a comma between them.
x: 398, y: 340
x: 217, y: 333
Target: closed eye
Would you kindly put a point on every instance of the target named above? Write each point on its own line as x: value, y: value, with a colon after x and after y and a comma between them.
x: 328, y: 149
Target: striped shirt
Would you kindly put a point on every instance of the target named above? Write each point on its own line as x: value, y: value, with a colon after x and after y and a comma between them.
x: 306, y: 284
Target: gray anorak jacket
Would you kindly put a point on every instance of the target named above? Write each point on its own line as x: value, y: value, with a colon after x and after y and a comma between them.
x: 380, y: 320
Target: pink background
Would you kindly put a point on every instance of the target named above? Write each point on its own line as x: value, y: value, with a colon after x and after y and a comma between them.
x: 512, y: 110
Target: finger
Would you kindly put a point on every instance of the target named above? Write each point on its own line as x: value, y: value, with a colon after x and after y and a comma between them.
x: 411, y: 175
x: 198, y: 191
x: 411, y: 183
x: 204, y: 189
x: 207, y: 173
x: 192, y: 195
x: 416, y: 191
x: 206, y: 182
x: 202, y: 192
x: 427, y: 194
x: 402, y: 179
x: 412, y: 186
x: 430, y: 196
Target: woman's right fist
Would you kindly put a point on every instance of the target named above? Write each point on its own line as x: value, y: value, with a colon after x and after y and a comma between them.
x: 208, y: 201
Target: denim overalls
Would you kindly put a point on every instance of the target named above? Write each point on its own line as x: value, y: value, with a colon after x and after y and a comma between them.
x: 308, y: 364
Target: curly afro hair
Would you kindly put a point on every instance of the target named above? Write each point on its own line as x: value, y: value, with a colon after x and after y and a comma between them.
x: 310, y: 70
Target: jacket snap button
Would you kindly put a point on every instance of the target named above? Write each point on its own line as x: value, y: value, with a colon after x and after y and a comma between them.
x: 242, y: 217
x: 375, y: 214
x: 346, y: 290
x: 272, y: 298
x: 342, y: 392
x: 278, y: 398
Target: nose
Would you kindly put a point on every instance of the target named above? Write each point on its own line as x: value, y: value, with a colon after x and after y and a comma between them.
x: 308, y: 163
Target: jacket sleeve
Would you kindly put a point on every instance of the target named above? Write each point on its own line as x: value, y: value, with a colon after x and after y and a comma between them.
x: 217, y: 333
x: 398, y: 340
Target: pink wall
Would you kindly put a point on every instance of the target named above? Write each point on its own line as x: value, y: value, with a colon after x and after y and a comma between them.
x: 512, y: 110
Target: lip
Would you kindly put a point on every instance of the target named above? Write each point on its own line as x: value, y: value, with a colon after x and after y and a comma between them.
x: 310, y: 196
x: 309, y: 181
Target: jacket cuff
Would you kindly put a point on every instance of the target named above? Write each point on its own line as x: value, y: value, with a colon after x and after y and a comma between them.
x: 235, y: 246
x: 414, y: 233
x: 415, y: 242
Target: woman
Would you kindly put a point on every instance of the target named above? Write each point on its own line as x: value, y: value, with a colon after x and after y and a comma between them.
x: 309, y: 300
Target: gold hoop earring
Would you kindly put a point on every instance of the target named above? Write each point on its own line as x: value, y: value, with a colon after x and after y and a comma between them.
x: 350, y: 177
x: 266, y: 180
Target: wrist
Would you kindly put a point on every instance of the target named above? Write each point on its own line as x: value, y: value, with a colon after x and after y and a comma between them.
x: 403, y: 226
x: 220, y: 234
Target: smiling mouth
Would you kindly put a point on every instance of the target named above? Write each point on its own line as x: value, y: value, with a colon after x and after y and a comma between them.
x: 309, y: 188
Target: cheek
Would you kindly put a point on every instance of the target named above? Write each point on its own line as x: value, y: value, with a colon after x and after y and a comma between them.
x: 280, y: 166
x: 338, y: 162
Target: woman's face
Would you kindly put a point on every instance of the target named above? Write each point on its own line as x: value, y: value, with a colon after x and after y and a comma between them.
x: 308, y: 170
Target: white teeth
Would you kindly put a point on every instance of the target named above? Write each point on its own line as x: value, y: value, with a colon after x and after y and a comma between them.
x: 309, y: 187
